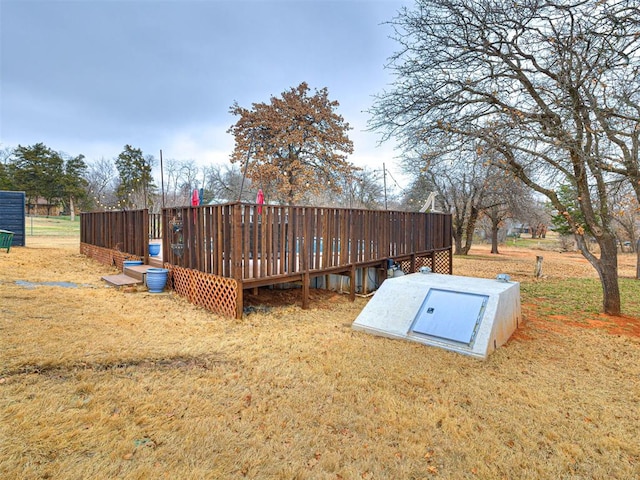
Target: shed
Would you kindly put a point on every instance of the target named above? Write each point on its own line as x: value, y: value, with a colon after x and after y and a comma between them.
x: 12, y: 215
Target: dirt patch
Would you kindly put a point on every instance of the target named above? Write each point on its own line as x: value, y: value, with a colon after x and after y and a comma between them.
x: 620, y: 325
x: 268, y: 298
x: 520, y: 263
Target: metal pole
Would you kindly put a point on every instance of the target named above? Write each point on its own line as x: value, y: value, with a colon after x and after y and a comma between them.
x: 162, y: 178
x: 246, y: 166
x: 146, y: 181
x: 384, y: 179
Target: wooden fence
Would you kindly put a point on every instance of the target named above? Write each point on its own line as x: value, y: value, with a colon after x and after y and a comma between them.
x: 124, y: 231
x: 215, y: 252
x: 259, y: 244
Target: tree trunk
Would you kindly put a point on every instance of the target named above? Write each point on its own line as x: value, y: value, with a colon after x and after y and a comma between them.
x: 72, y: 210
x: 638, y: 259
x: 611, y: 289
x: 538, y: 270
x: 469, y: 229
x: 458, y: 230
x: 495, y: 226
x: 463, y: 231
x: 607, y: 268
x: 457, y: 241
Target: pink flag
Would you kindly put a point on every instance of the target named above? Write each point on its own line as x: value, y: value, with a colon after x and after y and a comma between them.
x: 195, y: 201
x: 260, y: 201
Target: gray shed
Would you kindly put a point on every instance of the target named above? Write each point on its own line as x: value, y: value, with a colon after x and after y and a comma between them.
x: 12, y: 215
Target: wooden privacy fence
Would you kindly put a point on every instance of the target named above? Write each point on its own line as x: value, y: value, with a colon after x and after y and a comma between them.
x: 259, y: 245
x: 251, y: 242
x: 120, y: 234
x: 215, y: 252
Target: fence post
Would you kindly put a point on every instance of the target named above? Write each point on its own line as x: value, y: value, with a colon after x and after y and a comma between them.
x: 145, y: 235
x: 236, y: 254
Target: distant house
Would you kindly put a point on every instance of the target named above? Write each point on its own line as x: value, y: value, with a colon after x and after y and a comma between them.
x: 517, y: 229
x: 42, y: 207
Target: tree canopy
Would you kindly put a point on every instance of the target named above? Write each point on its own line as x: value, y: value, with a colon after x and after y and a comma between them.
x: 136, y: 182
x: 294, y: 146
x: 44, y: 173
x: 547, y: 91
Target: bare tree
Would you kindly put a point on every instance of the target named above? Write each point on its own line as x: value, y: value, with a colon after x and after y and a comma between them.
x: 102, y: 178
x: 181, y: 177
x: 188, y: 179
x: 626, y: 212
x: 461, y: 184
x: 223, y: 184
x: 6, y: 154
x: 533, y: 213
x: 535, y: 85
x: 505, y: 198
x: 363, y: 189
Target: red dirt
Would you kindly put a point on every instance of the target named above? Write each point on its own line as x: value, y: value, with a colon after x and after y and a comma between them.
x: 562, y: 324
x: 621, y: 325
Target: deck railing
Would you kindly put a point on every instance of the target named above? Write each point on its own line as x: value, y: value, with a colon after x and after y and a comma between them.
x: 254, y: 243
x: 215, y: 252
x: 155, y: 225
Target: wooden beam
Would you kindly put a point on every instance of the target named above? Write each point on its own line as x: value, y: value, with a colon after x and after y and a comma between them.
x: 239, y: 300
x: 305, y: 291
x: 352, y: 283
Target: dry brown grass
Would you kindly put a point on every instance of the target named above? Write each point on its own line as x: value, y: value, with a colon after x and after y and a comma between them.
x: 98, y: 383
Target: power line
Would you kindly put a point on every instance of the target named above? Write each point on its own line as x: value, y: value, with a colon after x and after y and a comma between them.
x: 394, y: 181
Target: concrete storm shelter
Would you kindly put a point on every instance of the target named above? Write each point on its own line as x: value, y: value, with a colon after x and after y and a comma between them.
x: 473, y: 316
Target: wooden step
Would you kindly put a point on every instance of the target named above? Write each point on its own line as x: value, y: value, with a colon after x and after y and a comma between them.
x: 137, y: 271
x: 156, y: 262
x: 121, y: 280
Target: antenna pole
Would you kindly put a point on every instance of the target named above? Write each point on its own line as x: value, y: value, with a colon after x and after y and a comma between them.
x: 384, y: 179
x: 246, y: 166
x: 162, y: 178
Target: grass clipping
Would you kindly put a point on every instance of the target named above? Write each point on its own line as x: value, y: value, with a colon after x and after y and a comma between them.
x: 99, y: 383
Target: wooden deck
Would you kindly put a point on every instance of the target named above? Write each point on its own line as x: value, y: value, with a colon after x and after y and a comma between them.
x: 240, y: 241
x: 216, y: 252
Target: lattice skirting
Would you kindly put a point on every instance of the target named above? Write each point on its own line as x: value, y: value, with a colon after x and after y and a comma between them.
x: 439, y: 263
x: 217, y: 294
x: 442, y: 262
x: 107, y: 256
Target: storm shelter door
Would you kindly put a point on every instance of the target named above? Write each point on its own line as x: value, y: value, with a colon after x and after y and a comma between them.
x: 450, y: 315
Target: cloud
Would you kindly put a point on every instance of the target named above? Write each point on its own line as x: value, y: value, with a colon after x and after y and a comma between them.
x: 206, y: 144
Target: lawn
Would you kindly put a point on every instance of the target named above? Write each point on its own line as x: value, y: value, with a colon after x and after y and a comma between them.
x: 58, y: 226
x: 101, y: 383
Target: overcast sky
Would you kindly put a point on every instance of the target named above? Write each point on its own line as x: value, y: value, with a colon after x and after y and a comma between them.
x: 89, y: 76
